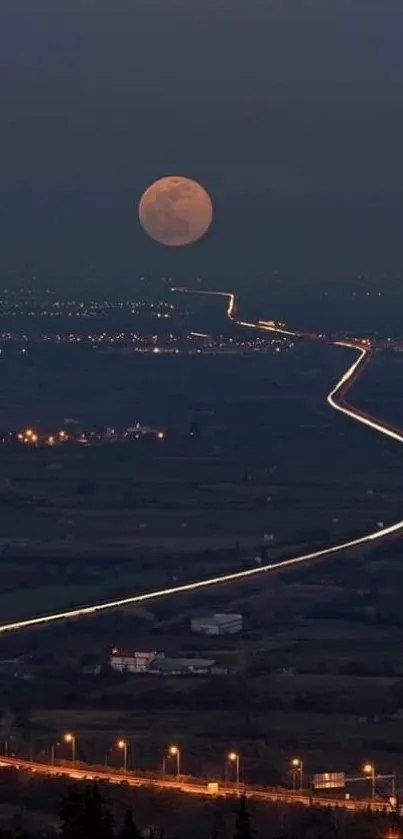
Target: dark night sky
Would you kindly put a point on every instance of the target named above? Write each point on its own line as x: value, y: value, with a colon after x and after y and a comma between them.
x: 289, y: 111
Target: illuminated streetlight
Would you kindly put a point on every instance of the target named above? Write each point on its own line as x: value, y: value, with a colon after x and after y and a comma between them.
x: 174, y: 751
x: 233, y: 757
x: 297, y: 766
x: 71, y: 738
x: 369, y: 769
x: 122, y: 744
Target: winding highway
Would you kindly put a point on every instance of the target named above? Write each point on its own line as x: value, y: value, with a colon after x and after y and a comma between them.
x: 336, y: 400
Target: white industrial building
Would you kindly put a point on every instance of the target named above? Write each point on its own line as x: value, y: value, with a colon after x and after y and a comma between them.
x: 218, y: 624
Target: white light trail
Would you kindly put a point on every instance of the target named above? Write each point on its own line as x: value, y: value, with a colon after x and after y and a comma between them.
x: 342, y: 385
x: 269, y: 326
x: 350, y: 412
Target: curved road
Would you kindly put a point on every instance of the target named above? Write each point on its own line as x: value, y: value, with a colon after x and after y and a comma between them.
x: 337, y: 400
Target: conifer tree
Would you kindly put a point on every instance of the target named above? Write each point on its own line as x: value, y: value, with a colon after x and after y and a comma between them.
x: 243, y: 829
x: 129, y: 829
x: 84, y: 816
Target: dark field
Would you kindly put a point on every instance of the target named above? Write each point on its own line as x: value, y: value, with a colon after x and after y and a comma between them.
x: 272, y: 458
x: 317, y: 671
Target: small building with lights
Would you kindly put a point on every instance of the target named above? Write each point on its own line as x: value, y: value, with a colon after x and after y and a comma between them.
x: 134, y: 662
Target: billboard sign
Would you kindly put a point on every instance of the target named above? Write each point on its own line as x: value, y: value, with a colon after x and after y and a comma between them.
x: 329, y: 780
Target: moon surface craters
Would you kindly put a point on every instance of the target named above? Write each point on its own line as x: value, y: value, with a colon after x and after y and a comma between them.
x: 175, y: 211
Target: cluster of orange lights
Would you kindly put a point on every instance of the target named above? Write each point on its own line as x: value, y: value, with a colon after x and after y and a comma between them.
x: 30, y: 437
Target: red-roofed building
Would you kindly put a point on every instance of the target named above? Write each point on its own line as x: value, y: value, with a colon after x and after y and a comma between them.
x: 134, y: 662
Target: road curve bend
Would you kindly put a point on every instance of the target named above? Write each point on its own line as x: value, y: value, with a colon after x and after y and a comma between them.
x: 336, y: 400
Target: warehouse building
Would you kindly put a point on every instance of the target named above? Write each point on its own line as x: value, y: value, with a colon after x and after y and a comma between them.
x: 218, y: 624
x: 181, y: 666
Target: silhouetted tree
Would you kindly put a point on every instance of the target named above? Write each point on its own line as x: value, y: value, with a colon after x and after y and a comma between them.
x: 243, y: 829
x: 218, y: 827
x: 318, y: 823
x: 84, y: 816
x: 129, y: 829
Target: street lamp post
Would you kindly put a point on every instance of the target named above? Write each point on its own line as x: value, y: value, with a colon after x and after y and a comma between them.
x: 233, y: 757
x: 297, y: 766
x: 174, y: 751
x: 122, y: 744
x: 369, y: 769
x: 71, y: 738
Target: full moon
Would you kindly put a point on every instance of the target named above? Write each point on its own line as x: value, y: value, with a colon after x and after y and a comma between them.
x: 175, y: 211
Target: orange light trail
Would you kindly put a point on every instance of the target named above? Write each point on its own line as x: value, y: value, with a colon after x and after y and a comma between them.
x: 187, y: 785
x: 336, y: 400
